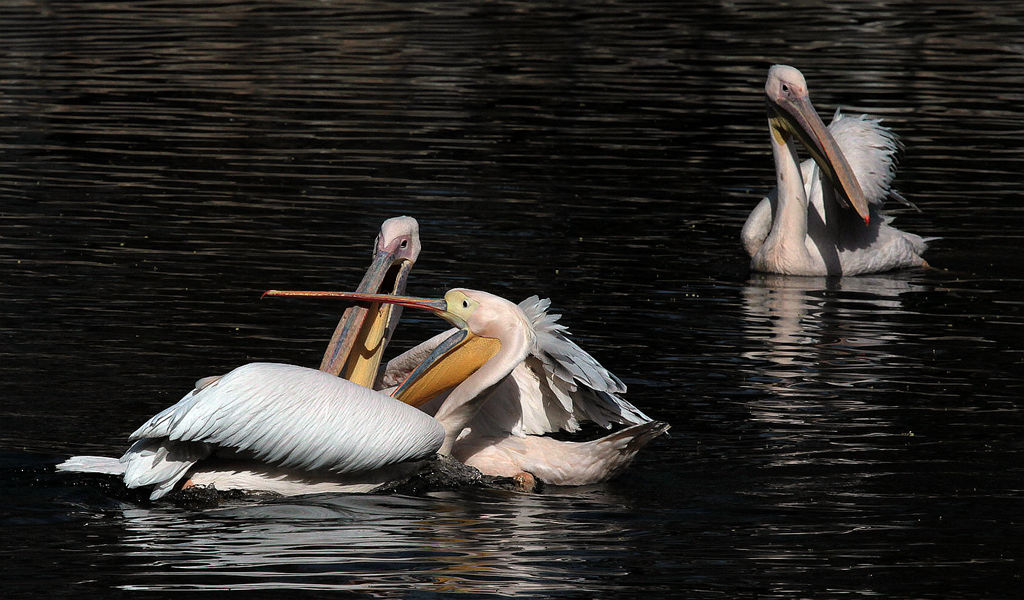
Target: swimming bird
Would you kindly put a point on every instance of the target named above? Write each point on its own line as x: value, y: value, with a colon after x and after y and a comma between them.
x: 287, y: 429
x: 557, y: 387
x: 535, y: 381
x: 293, y: 430
x: 825, y: 215
x: 280, y: 428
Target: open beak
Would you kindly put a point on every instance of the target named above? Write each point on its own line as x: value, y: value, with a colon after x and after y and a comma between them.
x: 358, y: 343
x: 797, y: 117
x: 452, y: 361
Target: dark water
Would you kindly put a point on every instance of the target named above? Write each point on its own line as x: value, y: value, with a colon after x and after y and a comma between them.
x: 162, y: 163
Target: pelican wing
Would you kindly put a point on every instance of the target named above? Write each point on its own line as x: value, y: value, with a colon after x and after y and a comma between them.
x: 871, y: 149
x: 560, y: 374
x: 161, y: 463
x: 533, y: 402
x: 297, y: 418
x: 561, y: 356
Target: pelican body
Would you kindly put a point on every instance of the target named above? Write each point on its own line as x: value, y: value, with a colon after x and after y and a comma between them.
x: 278, y: 428
x: 825, y: 216
x: 510, y: 375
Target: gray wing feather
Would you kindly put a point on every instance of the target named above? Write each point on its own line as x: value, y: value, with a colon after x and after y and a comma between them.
x: 584, y: 388
x: 872, y: 150
x: 561, y: 355
x: 160, y: 462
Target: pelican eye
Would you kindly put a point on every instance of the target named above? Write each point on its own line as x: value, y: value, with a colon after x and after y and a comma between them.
x: 785, y: 88
x: 465, y: 304
x: 405, y: 244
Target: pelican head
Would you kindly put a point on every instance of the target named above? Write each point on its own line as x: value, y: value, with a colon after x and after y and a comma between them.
x: 358, y: 343
x: 399, y: 237
x: 492, y: 336
x: 791, y: 114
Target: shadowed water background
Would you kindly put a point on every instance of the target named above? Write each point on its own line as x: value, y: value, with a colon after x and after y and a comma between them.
x: 163, y: 163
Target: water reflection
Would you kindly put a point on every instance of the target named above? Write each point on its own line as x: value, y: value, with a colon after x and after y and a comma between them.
x: 830, y: 356
x: 502, y: 545
x: 831, y: 331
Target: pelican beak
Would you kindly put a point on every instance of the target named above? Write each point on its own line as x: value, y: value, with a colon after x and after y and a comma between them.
x: 358, y: 343
x: 795, y: 116
x: 454, y: 359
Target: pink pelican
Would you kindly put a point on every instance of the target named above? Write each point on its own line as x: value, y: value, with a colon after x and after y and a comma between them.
x: 557, y: 387
x: 358, y: 343
x: 825, y: 215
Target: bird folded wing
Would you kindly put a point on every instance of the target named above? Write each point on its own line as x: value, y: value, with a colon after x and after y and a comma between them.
x: 299, y: 418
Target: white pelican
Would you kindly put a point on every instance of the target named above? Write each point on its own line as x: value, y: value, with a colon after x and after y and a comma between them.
x: 557, y: 387
x: 244, y: 405
x: 536, y: 381
x: 280, y: 428
x: 291, y: 430
x: 824, y: 217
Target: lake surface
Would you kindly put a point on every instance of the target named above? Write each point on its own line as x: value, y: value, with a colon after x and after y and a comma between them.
x: 163, y: 163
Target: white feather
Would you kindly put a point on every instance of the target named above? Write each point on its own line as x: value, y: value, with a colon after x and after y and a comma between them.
x: 282, y: 415
x: 104, y: 465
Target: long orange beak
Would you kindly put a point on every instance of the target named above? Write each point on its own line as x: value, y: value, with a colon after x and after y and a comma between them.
x: 455, y: 359
x: 796, y: 116
x: 437, y: 306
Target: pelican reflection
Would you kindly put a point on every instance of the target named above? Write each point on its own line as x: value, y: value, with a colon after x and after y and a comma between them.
x: 822, y: 333
x: 379, y: 545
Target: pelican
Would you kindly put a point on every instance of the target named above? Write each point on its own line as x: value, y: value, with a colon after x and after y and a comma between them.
x: 825, y: 215
x: 533, y: 379
x: 276, y: 428
x: 243, y: 445
x: 556, y: 388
